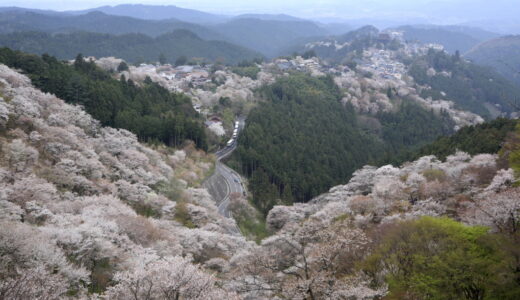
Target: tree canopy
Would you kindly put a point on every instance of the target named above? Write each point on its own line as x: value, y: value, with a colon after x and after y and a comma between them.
x: 471, y: 87
x: 150, y: 111
x: 483, y: 138
x: 301, y: 140
x: 438, y: 258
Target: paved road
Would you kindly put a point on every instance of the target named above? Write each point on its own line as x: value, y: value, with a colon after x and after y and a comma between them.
x: 225, y: 182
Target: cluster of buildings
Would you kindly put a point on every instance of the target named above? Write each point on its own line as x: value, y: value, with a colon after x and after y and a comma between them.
x: 177, y: 78
x: 381, y: 63
x: 190, y: 75
x: 412, y: 48
x: 311, y: 65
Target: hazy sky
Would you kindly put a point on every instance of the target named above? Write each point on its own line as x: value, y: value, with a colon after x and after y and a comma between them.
x: 447, y: 11
x: 228, y: 5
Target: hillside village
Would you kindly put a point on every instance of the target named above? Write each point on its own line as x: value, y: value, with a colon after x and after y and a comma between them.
x: 366, y: 84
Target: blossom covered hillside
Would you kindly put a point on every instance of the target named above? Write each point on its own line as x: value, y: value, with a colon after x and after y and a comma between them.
x: 365, y: 239
x: 85, y: 208
x: 87, y: 212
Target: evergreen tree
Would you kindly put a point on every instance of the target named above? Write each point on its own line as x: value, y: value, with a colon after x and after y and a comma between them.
x: 151, y: 112
x: 122, y: 67
x: 162, y: 59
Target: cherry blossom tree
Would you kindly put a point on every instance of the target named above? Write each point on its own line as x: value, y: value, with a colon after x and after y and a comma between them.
x: 168, y: 278
x: 314, y: 261
x: 20, y: 156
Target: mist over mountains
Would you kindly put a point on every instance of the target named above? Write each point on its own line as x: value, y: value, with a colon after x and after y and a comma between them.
x: 499, y: 16
x: 461, y: 26
x: 267, y: 33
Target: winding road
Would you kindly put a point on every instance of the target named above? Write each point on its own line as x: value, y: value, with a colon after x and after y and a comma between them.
x: 224, y: 182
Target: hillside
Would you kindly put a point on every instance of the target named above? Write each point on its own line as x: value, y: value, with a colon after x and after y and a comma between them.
x: 135, y: 48
x: 303, y: 126
x: 88, y: 212
x: 149, y: 111
x: 436, y: 75
x: 337, y: 48
x: 452, y: 38
x: 83, y: 206
x: 488, y: 138
x: 475, y: 32
x: 337, y: 28
x: 502, y: 54
x: 473, y: 88
x: 269, y: 37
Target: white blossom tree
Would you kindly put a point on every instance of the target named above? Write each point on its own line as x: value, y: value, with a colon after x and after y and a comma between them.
x: 172, y: 278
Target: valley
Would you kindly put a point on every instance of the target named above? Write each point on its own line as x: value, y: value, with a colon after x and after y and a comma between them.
x: 160, y: 152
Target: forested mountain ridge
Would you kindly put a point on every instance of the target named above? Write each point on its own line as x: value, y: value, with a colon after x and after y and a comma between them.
x: 151, y: 112
x: 453, y: 39
x: 135, y: 48
x: 269, y: 37
x: 338, y: 49
x: 474, y: 88
x: 502, y: 54
x: 487, y: 137
x: 303, y: 126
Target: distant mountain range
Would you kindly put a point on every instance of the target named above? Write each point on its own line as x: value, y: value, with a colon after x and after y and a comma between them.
x: 271, y: 35
x: 156, y: 12
x: 265, y: 33
x: 12, y: 21
x: 338, y: 48
x: 269, y: 17
x: 453, y: 38
x: 268, y: 36
x: 502, y: 54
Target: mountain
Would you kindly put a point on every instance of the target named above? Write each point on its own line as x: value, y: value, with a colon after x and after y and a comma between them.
x: 337, y: 48
x: 487, y: 137
x: 360, y: 33
x: 337, y: 28
x: 303, y: 125
x: 502, y: 54
x: 130, y: 47
x: 269, y: 17
x: 475, y: 32
x: 150, y: 111
x: 472, y: 87
x: 502, y: 26
x: 267, y: 36
x: 96, y: 22
x: 452, y: 38
x: 74, y: 172
x: 89, y: 212
x: 32, y: 10
x: 156, y: 12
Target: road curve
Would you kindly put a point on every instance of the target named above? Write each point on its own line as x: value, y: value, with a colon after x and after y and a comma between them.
x: 224, y: 182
